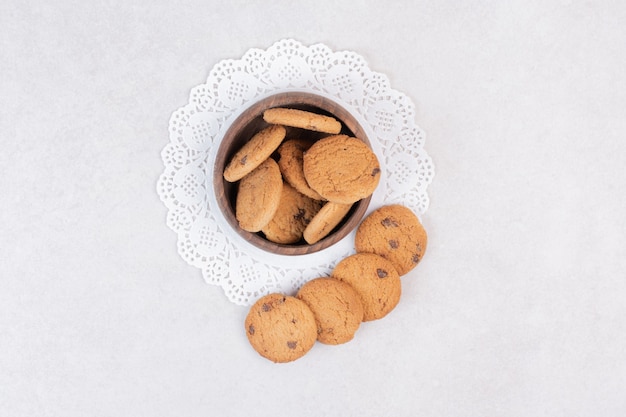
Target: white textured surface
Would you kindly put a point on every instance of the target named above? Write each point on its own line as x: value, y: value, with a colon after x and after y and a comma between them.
x: 517, y: 309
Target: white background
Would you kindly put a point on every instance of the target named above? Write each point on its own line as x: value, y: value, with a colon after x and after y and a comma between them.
x: 518, y: 308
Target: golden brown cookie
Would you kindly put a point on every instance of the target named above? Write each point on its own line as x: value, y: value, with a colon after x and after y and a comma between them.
x: 337, y: 309
x: 341, y: 169
x: 326, y: 219
x: 302, y: 119
x: 254, y: 152
x: 395, y: 233
x: 281, y: 328
x: 290, y: 164
x: 294, y: 213
x: 258, y: 196
x: 375, y: 280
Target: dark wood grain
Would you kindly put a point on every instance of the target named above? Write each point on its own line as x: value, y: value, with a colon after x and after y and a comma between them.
x: 250, y: 122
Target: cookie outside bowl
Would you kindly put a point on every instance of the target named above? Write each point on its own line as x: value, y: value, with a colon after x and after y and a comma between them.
x: 251, y: 121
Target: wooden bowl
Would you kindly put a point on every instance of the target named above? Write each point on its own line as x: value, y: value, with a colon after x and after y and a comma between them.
x: 250, y: 122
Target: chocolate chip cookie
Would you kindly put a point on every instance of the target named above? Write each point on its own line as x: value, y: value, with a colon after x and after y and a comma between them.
x: 281, y: 328
x: 395, y: 233
x: 254, y: 152
x: 302, y: 119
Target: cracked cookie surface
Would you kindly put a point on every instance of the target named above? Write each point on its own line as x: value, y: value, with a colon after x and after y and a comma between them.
x: 342, y: 169
x: 337, y: 309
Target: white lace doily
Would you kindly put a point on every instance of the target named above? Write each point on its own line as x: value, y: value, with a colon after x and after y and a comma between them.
x: 205, y: 239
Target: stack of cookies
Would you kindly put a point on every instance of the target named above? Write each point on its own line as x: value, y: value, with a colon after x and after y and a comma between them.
x: 299, y: 176
x: 365, y: 286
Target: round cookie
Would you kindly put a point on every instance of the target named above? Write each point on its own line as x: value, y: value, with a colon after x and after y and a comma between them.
x: 258, y: 196
x: 395, y: 233
x: 290, y: 164
x: 281, y: 328
x: 337, y: 309
x: 254, y: 152
x: 294, y: 213
x: 342, y: 169
x: 326, y: 219
x: 302, y: 119
x: 375, y: 280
